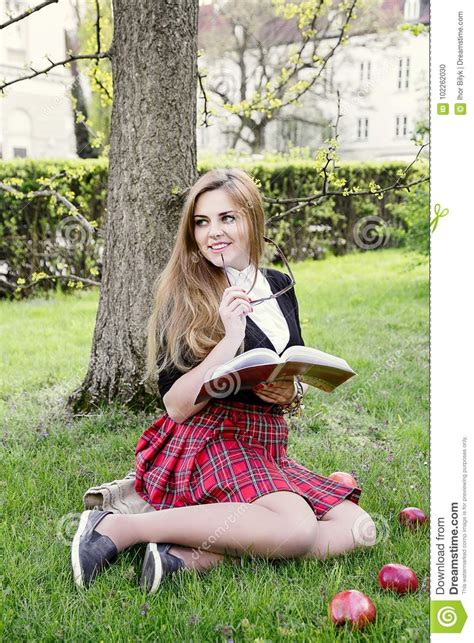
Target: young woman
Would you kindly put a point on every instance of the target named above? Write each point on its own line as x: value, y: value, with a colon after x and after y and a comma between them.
x: 217, y: 472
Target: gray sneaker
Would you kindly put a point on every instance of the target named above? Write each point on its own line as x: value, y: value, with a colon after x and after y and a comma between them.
x: 91, y: 552
x: 157, y: 564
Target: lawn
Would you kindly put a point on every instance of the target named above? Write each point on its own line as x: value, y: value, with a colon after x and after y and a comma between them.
x: 371, y: 309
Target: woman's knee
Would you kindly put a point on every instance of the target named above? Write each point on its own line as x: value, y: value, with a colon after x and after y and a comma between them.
x: 364, y: 530
x: 348, y: 515
x: 298, y: 526
x: 299, y: 529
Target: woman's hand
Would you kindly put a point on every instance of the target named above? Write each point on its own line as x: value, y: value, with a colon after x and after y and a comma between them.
x: 281, y: 391
x: 233, y: 309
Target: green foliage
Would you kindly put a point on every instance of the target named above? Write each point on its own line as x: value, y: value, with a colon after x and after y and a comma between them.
x: 98, y: 72
x: 40, y: 238
x: 415, y: 29
x: 330, y: 227
x: 368, y: 308
x: 256, y: 88
x: 413, y: 213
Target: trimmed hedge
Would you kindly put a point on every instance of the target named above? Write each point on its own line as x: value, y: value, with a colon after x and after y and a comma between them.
x: 39, y: 237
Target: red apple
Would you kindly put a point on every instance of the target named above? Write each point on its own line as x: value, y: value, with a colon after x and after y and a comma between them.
x: 398, y: 577
x: 352, y: 607
x: 412, y: 517
x: 343, y: 478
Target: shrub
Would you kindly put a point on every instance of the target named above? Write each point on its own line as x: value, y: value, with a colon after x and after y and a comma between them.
x: 40, y: 238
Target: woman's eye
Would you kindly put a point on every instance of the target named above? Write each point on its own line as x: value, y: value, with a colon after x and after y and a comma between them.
x: 230, y: 217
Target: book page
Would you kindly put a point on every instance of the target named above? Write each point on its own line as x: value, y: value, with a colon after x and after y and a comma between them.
x: 314, y: 356
x: 253, y: 357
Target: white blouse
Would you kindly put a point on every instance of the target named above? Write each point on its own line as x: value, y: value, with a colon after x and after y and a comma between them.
x: 267, y: 315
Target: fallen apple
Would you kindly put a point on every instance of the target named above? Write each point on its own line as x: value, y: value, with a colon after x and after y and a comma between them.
x: 343, y: 478
x: 412, y: 517
x: 400, y: 578
x: 352, y: 607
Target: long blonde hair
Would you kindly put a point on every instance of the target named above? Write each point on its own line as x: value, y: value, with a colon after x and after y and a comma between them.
x: 185, y: 324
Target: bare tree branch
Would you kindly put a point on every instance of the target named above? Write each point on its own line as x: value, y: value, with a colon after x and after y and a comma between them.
x: 326, y: 58
x: 59, y: 197
x: 315, y: 199
x: 85, y: 280
x: 60, y: 63
x: 206, y: 114
x: 27, y: 13
x: 98, y: 49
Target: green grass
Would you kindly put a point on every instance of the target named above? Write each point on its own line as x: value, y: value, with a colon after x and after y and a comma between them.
x: 371, y: 309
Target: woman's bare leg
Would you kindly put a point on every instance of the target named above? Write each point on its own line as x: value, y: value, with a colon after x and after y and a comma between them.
x: 278, y: 525
x: 197, y: 559
x: 342, y: 529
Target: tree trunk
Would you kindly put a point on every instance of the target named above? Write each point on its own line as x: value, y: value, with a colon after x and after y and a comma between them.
x: 258, y: 142
x: 152, y: 149
x: 79, y: 108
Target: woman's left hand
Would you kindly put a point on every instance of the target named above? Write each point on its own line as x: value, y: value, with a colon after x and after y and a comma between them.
x: 279, y: 392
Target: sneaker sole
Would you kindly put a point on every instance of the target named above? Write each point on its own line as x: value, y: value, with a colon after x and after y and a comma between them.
x: 75, y: 562
x: 152, y: 568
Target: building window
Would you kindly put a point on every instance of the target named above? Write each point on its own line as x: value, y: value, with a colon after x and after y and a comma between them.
x: 403, y: 73
x: 19, y: 152
x: 16, y: 56
x: 16, y: 50
x: 362, y: 128
x: 411, y: 10
x: 365, y: 66
x: 401, y: 126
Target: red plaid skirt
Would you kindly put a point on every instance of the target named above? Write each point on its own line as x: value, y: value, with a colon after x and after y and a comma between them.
x: 228, y: 452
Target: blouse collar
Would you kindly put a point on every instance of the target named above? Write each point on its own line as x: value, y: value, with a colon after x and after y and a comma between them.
x: 246, y: 274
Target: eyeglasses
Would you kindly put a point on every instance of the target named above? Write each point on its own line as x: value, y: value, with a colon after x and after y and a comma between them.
x: 273, y: 295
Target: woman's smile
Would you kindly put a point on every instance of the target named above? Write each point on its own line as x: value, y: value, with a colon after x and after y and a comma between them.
x: 216, y: 248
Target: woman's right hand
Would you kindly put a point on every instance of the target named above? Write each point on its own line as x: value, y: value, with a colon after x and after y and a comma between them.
x: 233, y: 311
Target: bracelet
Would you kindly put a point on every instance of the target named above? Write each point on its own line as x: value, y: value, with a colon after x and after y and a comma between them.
x: 295, y: 407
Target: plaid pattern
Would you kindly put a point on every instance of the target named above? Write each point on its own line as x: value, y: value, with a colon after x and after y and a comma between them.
x: 229, y: 452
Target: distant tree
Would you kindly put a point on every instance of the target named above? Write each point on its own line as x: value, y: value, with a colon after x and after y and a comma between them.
x: 261, y: 57
x: 82, y: 133
x: 100, y: 76
x: 152, y: 162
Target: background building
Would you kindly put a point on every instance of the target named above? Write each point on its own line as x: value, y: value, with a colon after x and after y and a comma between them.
x: 35, y: 115
x: 382, y: 78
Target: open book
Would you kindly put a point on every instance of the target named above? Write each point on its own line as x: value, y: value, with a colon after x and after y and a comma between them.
x: 262, y: 365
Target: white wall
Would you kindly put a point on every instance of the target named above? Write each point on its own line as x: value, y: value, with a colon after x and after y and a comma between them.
x: 379, y: 99
x: 376, y: 98
x: 35, y: 115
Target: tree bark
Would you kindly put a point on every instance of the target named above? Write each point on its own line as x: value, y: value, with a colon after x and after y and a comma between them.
x: 152, y: 149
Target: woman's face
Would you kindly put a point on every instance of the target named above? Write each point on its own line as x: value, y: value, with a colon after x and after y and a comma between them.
x: 217, y: 220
